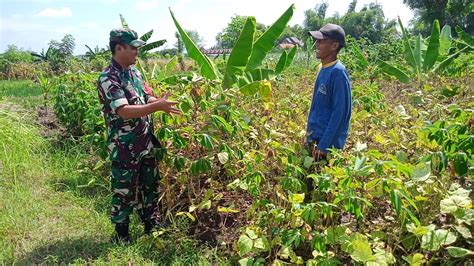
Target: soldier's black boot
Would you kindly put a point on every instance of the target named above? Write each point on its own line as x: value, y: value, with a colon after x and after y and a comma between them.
x: 152, y: 224
x: 148, y: 227
x: 121, y: 234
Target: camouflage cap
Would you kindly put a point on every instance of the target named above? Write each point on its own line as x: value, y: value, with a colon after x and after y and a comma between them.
x: 127, y: 36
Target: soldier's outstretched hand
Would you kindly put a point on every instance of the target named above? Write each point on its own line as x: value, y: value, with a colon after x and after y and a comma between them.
x: 168, y: 106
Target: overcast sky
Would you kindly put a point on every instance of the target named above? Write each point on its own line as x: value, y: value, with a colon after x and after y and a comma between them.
x: 32, y: 24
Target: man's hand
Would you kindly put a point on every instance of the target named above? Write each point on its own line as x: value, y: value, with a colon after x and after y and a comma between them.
x: 167, y: 106
x: 153, y: 105
x: 318, y: 154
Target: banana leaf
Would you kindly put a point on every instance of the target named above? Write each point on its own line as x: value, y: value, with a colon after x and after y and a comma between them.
x: 360, y: 58
x: 124, y: 22
x: 433, y: 47
x: 290, y: 57
x: 445, y: 40
x: 145, y: 37
x: 266, y: 42
x: 261, y: 74
x: 281, y: 62
x: 465, y: 37
x: 240, y: 53
x: 206, y: 67
x: 168, y: 68
x: 262, y: 87
x: 409, y: 57
x: 285, y: 60
x: 150, y: 46
x: 393, y: 71
x: 418, y: 54
x: 448, y: 60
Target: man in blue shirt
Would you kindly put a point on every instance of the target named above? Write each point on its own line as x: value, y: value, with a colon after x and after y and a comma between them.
x: 330, y: 113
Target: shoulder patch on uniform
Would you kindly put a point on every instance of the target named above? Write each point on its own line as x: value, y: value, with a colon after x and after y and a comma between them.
x: 322, y: 89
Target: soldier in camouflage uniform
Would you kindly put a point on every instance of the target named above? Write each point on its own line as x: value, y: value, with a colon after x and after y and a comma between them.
x: 128, y: 105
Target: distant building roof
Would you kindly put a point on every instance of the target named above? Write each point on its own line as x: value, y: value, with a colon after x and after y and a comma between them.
x: 292, y: 40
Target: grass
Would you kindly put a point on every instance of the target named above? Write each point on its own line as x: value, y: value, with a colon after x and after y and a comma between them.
x: 51, y: 213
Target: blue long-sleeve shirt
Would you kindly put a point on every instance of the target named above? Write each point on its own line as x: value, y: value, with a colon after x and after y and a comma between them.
x: 330, y: 113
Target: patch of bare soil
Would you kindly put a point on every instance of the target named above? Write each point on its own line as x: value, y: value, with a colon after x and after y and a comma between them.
x: 46, y: 118
x: 10, y: 107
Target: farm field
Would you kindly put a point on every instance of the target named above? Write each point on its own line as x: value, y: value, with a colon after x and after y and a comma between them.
x: 234, y: 167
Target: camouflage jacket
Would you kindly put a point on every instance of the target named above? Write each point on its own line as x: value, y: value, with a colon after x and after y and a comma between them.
x: 128, y: 140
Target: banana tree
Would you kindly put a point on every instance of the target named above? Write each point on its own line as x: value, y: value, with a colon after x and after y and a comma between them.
x: 93, y: 53
x: 423, y: 58
x: 143, y: 51
x: 43, y: 57
x: 242, y: 67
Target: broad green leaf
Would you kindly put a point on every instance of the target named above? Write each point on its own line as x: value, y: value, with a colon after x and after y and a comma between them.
x: 296, y: 198
x: 245, y: 244
x: 445, y: 40
x: 433, y: 47
x: 227, y: 210
x: 464, y: 231
x: 417, y: 54
x: 308, y: 161
x: 145, y: 37
x: 459, y: 252
x: 391, y: 70
x: 123, y: 21
x: 421, y: 172
x: 206, y: 141
x: 420, y: 230
x: 396, y: 201
x: 179, y: 162
x: 262, y: 244
x: 206, y: 67
x: 361, y: 251
x: 246, y: 262
x: 415, y: 260
x: 263, y: 87
x: 168, y: 69
x: 409, y: 57
x: 219, y: 122
x: 435, y: 239
x: 205, y: 205
x: 461, y: 166
x: 290, y: 57
x: 382, y: 258
x: 359, y: 163
x: 281, y: 62
x: 152, y: 45
x: 223, y: 157
x: 240, y: 53
x: 201, y: 165
x: 262, y: 74
x: 251, y: 233
x: 448, y: 60
x: 467, y: 38
x: 360, y: 57
x: 250, y: 89
x: 454, y: 202
x: 266, y: 42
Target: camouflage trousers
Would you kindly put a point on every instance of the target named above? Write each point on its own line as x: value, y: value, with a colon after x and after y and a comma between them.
x: 135, y: 185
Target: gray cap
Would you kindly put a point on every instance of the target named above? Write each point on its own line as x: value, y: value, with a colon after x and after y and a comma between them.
x: 330, y: 31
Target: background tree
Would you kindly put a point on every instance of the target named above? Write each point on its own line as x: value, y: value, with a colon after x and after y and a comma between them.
x: 193, y: 34
x: 61, y: 52
x: 451, y: 12
x: 368, y: 23
x: 315, y: 18
x: 230, y: 34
